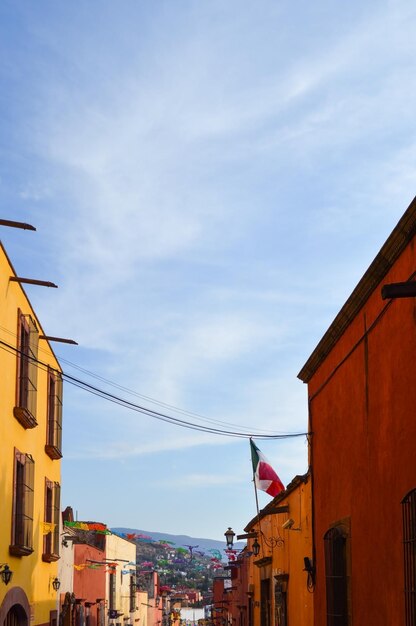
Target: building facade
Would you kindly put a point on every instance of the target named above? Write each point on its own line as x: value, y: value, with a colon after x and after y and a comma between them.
x: 31, y: 436
x: 281, y: 575
x: 98, y: 569
x: 362, y: 395
x: 121, y: 580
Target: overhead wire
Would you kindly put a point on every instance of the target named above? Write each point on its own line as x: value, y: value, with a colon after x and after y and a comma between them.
x: 150, y: 412
x: 158, y: 402
x: 148, y: 398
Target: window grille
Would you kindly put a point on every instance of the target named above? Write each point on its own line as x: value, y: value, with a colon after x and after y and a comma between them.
x: 265, y: 602
x: 27, y: 372
x: 112, y: 590
x: 22, y: 522
x: 52, y: 509
x: 409, y: 544
x: 280, y: 600
x: 336, y: 577
x: 54, y: 423
x: 132, y: 593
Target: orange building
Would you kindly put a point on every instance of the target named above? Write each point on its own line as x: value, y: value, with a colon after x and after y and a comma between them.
x: 362, y: 396
x: 239, y: 600
x: 280, y: 590
x: 231, y: 600
x: 220, y: 612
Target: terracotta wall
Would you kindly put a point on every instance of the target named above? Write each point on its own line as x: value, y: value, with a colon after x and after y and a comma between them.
x: 362, y: 412
x: 89, y: 584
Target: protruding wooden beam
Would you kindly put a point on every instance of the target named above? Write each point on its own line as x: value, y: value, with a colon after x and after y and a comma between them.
x: 252, y: 535
x: 12, y: 224
x: 59, y: 339
x: 33, y: 281
x: 399, y: 290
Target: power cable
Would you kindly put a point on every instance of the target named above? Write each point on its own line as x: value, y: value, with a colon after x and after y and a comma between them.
x: 203, y: 418
x: 150, y: 412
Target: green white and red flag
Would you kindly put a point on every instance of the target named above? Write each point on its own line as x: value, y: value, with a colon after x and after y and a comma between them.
x: 265, y: 477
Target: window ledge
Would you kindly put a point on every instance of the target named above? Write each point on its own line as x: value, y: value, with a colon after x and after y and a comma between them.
x: 25, y: 417
x: 53, y: 452
x: 16, y: 550
x: 50, y: 558
x: 263, y: 562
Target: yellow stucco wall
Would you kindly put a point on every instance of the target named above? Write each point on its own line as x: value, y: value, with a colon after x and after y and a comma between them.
x: 30, y: 573
x: 142, y: 605
x: 119, y: 548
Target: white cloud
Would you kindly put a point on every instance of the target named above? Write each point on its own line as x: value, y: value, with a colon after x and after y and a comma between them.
x: 126, y: 448
x: 202, y: 480
x: 199, y: 177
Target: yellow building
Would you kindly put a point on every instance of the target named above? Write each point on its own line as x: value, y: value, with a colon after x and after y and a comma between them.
x: 120, y: 581
x: 30, y: 435
x: 281, y: 575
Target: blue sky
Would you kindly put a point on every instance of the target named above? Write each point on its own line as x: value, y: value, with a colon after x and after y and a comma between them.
x: 209, y: 180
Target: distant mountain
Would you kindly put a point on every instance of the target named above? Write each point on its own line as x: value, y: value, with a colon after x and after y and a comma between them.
x: 182, y: 541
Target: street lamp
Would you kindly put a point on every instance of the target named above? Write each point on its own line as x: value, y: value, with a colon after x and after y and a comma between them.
x: 229, y: 536
x: 5, y: 573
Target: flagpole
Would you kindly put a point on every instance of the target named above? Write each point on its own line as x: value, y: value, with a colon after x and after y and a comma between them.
x: 257, y: 503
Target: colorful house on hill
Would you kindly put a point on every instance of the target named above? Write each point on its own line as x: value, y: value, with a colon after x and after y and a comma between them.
x: 362, y: 395
x: 30, y: 435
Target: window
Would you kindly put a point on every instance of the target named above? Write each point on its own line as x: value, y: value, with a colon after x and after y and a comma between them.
x: 22, y: 522
x: 112, y: 590
x: 250, y: 611
x: 25, y: 409
x: 337, y: 588
x: 54, y: 422
x: 132, y: 593
x: 280, y: 599
x: 409, y: 543
x: 51, y: 525
x: 265, y: 602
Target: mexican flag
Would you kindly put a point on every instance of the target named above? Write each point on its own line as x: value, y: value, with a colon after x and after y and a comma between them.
x: 265, y: 477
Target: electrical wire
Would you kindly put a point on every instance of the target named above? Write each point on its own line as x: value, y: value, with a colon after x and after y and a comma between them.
x: 255, y: 431
x: 159, y: 402
x: 145, y: 410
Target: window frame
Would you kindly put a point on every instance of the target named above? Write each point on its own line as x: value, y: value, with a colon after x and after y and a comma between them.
x: 23, y: 504
x: 280, y: 599
x: 27, y: 371
x: 52, y: 514
x: 112, y: 584
x: 132, y: 587
x: 265, y: 602
x: 337, y: 580
x: 409, y: 556
x: 53, y: 446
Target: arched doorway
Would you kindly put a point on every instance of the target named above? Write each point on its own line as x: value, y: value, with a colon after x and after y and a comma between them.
x: 15, y: 609
x: 16, y: 616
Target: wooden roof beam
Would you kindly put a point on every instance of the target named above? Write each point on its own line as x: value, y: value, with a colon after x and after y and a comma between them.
x: 33, y: 281
x: 59, y: 339
x: 13, y: 224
